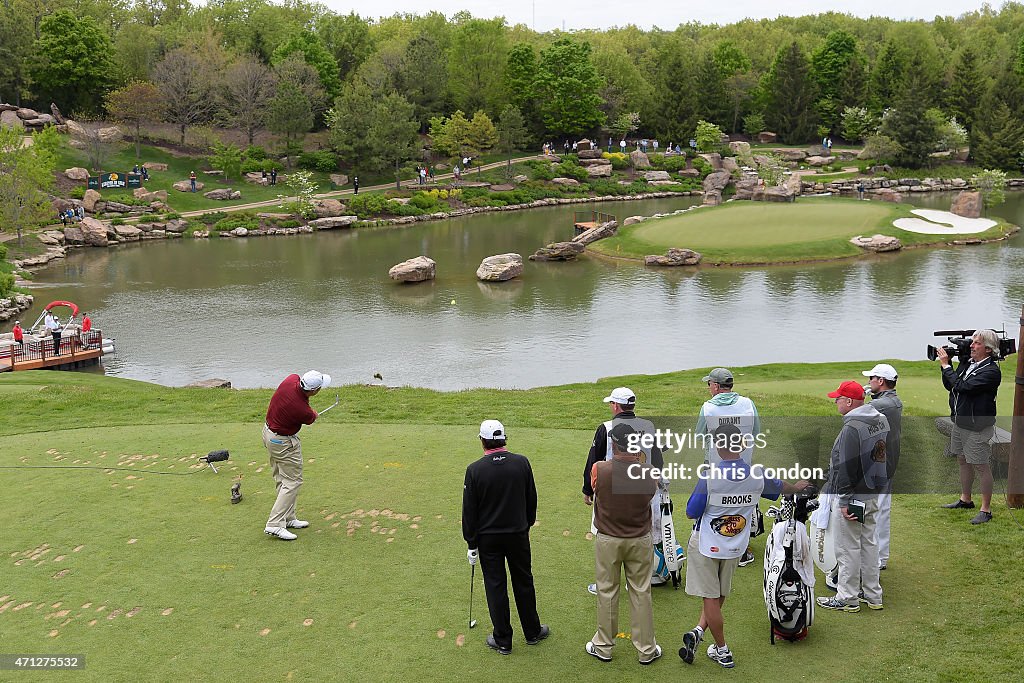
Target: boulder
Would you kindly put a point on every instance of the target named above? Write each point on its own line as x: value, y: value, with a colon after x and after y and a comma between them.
x: 716, y: 181
x: 596, y: 233
x: 656, y: 175
x: 674, y: 257
x: 177, y: 225
x: 331, y: 222
x: 713, y: 158
x: 57, y: 116
x: 601, y: 171
x: 595, y: 162
x: 880, y: 168
x: 57, y: 235
x: 40, y: 121
x: 118, y: 207
x: 584, y: 145
x: 210, y: 384
x: 47, y: 239
x: 127, y: 233
x: 967, y: 204
x: 327, y: 208
x: 819, y: 160
x: 257, y: 178
x: 500, y: 268
x: 877, y: 243
x: 94, y: 232
x: 186, y: 186
x: 766, y: 137
x: 639, y: 159
x: 558, y: 251
x: 220, y: 194
x: 633, y: 220
x: 775, y: 193
x: 794, y: 184
x: 155, y: 166
x: 10, y: 120
x: 339, y: 179
x: 746, y: 187
x: 239, y: 232
x: 147, y: 196
x: 109, y: 134
x: 74, y: 236
x: 76, y: 130
x: 565, y: 181
x: 520, y: 179
x: 740, y: 149
x: 26, y: 114
x: 887, y: 194
x: 214, y: 172
x: 689, y: 173
x: 416, y: 269
x: 589, y: 154
x: 729, y: 164
x: 77, y: 173
x: 90, y: 199
x: 791, y: 154
x: 662, y: 182
x: 712, y: 197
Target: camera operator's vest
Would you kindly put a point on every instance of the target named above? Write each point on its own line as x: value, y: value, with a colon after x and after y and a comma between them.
x: 725, y: 525
x: 741, y: 413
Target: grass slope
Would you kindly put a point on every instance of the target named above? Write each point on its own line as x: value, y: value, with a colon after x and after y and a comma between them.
x: 159, y: 578
x: 745, y: 232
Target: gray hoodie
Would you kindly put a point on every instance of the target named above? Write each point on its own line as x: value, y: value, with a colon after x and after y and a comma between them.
x: 889, y: 404
x: 858, y: 463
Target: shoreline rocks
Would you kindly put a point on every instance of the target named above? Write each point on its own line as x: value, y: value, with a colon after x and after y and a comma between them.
x: 558, y: 251
x: 418, y: 269
x: 675, y: 257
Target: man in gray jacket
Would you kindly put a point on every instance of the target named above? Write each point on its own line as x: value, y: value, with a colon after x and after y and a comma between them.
x: 882, y: 385
x: 857, y: 475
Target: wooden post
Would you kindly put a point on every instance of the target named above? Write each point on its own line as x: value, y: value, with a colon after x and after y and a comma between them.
x: 1015, y: 470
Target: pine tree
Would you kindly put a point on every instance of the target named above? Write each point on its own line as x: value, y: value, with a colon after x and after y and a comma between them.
x: 908, y: 125
x: 713, y: 104
x: 997, y: 137
x: 887, y: 77
x: 966, y: 88
x: 790, y: 96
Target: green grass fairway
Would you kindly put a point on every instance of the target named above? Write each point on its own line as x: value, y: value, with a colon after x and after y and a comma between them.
x: 744, y: 232
x: 160, y: 578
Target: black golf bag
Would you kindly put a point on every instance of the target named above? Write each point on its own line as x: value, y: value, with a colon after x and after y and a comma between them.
x: 789, y: 570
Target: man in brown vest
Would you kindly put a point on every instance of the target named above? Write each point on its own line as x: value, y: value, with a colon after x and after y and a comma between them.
x: 623, y: 489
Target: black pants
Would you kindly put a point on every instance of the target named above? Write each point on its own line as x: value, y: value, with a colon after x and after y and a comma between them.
x: 495, y: 550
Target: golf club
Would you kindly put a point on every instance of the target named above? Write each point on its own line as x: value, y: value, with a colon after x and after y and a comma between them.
x: 337, y: 399
x: 472, y: 580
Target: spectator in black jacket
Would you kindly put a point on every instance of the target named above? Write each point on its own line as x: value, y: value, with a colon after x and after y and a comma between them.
x: 972, y: 402
x: 499, y: 505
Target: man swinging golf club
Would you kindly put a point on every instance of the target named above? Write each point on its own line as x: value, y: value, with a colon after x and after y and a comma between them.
x: 289, y: 409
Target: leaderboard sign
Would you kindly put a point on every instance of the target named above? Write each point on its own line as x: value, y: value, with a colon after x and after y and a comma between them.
x: 115, y: 180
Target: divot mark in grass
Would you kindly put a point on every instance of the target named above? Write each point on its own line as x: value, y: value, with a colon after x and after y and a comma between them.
x: 114, y: 615
x: 101, y: 608
x: 56, y: 605
x: 565, y: 532
x: 92, y: 623
x: 414, y: 526
x: 87, y: 605
x: 589, y: 536
x: 336, y: 525
x: 54, y: 633
x: 460, y: 639
x: 441, y: 633
x: 352, y: 624
x: 59, y: 558
x: 265, y: 631
x: 417, y: 518
x: 77, y: 548
x: 329, y: 517
x: 22, y: 606
x: 61, y: 614
x: 167, y: 612
x: 132, y: 612
x: 390, y: 540
x: 65, y: 623
x: 307, y: 622
x: 62, y: 573
x: 6, y: 606
x: 132, y: 541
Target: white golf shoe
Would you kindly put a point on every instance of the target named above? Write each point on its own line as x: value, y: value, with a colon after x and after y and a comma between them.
x: 297, y: 524
x: 280, y: 532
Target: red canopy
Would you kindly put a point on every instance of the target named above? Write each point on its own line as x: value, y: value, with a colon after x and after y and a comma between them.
x: 54, y: 304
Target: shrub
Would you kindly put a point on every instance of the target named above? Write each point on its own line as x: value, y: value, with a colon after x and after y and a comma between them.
x: 364, y: 205
x: 753, y: 123
x: 117, y: 221
x: 672, y: 163
x: 238, y: 220
x: 427, y: 201
x: 3, y: 251
x: 255, y: 153
x: 322, y: 160
x: 709, y: 136
x: 77, y: 192
x: 290, y: 223
x: 703, y: 166
x: 619, y: 160
x: 542, y: 170
x: 212, y: 217
x: 570, y: 169
x: 6, y: 285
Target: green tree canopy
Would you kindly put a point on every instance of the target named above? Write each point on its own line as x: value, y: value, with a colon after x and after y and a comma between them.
x: 316, y: 55
x: 790, y: 94
x: 566, y: 88
x: 73, y: 64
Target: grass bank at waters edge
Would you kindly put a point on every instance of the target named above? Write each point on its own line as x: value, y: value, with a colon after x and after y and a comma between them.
x: 747, y: 233
x: 161, y: 578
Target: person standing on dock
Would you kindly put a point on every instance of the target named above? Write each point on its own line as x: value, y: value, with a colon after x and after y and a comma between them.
x: 289, y: 409
x: 19, y: 334
x: 56, y: 329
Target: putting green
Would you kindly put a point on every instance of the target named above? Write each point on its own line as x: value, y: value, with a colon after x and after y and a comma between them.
x: 754, y: 224
x: 748, y: 233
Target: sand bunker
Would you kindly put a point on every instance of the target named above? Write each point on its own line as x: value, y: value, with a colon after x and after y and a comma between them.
x: 942, y: 223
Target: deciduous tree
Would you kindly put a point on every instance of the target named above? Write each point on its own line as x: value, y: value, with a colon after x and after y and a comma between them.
x: 566, y: 88
x: 73, y: 62
x: 248, y: 87
x: 188, y: 89
x: 135, y: 104
x: 26, y: 176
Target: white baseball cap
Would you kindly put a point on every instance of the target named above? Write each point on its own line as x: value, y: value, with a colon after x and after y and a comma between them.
x: 622, y: 396
x: 493, y: 430
x: 314, y: 380
x: 882, y: 370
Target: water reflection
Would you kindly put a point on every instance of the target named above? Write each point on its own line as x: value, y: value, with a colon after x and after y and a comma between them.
x: 251, y: 310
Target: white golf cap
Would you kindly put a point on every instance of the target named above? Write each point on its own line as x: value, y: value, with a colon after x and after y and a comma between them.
x: 492, y: 429
x: 314, y: 380
x: 882, y: 370
x: 622, y: 396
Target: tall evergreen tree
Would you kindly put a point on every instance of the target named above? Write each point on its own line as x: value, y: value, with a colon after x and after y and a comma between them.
x: 887, y: 76
x: 671, y: 114
x: 828, y: 68
x: 789, y: 109
x: 997, y: 137
x: 713, y: 105
x: 908, y: 125
x: 965, y: 88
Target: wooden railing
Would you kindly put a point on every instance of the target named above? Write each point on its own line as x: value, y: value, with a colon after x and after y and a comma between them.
x: 35, y: 349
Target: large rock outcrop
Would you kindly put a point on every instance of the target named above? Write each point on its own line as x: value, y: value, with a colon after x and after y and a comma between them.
x: 94, y: 232
x: 596, y: 233
x: 599, y: 171
x: 877, y: 243
x: 331, y: 222
x: 77, y: 173
x: 500, y: 268
x: 639, y: 159
x: 416, y: 269
x: 558, y: 251
x: 967, y: 204
x: 90, y: 200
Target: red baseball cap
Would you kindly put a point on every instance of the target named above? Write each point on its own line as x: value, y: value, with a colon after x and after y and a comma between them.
x: 850, y: 390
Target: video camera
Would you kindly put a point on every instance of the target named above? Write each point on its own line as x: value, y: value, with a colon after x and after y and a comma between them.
x: 961, y: 341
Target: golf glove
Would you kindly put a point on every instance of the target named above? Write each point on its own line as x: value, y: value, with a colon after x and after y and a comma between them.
x: 472, y: 555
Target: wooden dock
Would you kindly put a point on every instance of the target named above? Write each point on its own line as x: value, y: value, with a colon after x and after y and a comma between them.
x: 37, y: 354
x: 587, y: 220
x: 65, y: 361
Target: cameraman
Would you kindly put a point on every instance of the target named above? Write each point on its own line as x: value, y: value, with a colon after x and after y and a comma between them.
x: 972, y: 401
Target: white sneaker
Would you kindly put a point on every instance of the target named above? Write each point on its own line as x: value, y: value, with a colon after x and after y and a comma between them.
x: 297, y: 524
x: 592, y: 588
x: 280, y: 532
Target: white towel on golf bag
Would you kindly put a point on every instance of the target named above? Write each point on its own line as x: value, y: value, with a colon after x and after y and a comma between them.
x: 823, y: 514
x: 802, y: 559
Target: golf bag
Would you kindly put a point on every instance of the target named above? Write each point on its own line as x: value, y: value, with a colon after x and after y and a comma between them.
x: 789, y: 570
x: 668, y: 554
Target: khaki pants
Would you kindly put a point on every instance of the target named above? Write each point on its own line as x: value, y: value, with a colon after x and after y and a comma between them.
x: 633, y: 555
x: 857, y: 553
x: 286, y: 466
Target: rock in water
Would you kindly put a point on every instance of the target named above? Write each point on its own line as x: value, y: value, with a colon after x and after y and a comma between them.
x: 416, y: 269
x: 500, y: 268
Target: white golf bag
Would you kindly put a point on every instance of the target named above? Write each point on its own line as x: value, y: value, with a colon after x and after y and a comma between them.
x: 789, y: 570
